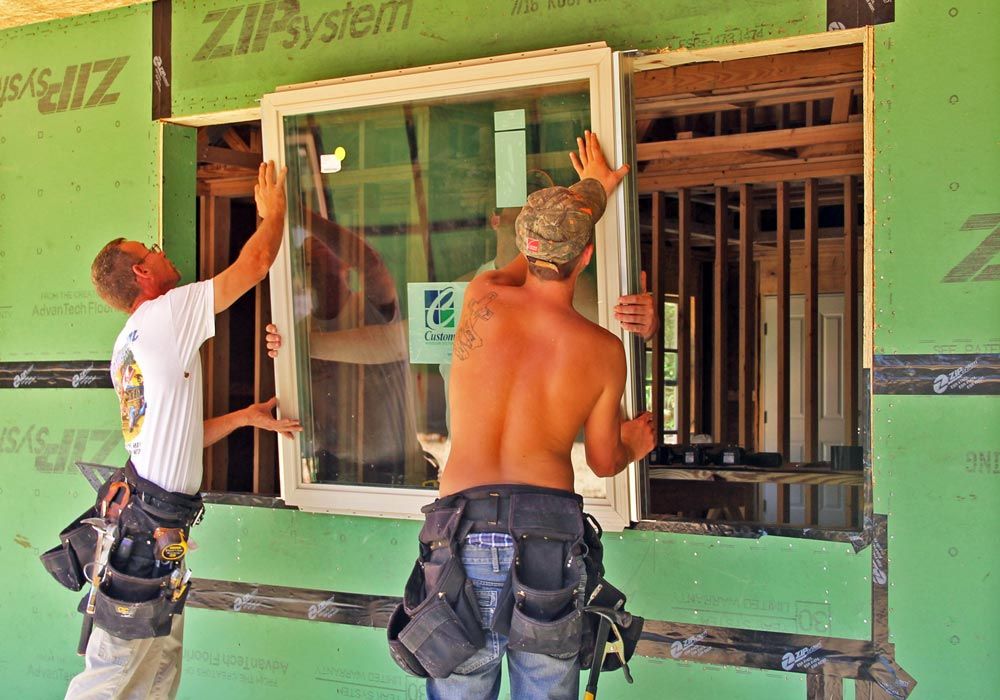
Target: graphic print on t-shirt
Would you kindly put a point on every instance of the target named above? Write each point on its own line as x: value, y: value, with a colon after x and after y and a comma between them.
x: 127, y: 376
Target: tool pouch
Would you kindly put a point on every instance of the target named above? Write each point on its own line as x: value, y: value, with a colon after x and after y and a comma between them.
x: 132, y: 607
x: 546, y: 616
x: 437, y: 626
x: 604, y: 596
x: 77, y: 543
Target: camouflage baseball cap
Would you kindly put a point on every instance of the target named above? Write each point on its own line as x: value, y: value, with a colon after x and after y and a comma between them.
x: 557, y: 223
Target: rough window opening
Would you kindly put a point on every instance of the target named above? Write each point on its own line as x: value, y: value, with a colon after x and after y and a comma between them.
x: 750, y: 177
x: 237, y: 370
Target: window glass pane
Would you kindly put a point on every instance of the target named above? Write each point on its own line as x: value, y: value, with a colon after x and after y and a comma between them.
x: 391, y: 210
x: 670, y: 325
x: 647, y: 383
x: 669, y: 408
x: 670, y: 366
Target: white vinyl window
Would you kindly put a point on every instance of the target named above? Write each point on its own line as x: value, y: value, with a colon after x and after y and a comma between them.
x: 402, y: 187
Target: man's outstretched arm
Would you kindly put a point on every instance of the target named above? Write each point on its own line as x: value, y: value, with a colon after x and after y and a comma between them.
x: 367, y: 345
x: 261, y: 249
x: 258, y: 415
x: 611, y: 442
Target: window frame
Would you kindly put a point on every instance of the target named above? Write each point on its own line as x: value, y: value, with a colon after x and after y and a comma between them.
x: 593, y: 62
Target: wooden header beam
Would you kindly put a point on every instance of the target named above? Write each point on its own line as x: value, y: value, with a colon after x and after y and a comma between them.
x: 703, y: 78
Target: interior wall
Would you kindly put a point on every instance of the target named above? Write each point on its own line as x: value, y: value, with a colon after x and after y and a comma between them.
x: 71, y: 178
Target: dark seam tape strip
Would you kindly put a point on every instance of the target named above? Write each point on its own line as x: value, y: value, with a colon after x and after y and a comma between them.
x: 796, y: 653
x: 56, y: 374
x: 162, y: 67
x: 937, y: 375
x: 223, y: 498
x: 847, y: 14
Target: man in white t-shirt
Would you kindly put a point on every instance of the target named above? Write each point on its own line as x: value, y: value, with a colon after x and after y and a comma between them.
x: 156, y: 372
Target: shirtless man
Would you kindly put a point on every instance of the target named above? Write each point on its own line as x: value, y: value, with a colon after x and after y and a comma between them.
x: 525, y: 358
x: 529, y: 372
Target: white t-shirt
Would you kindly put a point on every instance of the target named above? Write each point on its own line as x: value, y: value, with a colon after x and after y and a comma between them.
x: 156, y: 370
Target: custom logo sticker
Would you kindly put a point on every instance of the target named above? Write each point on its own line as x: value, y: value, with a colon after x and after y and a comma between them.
x: 433, y: 309
x: 439, y: 308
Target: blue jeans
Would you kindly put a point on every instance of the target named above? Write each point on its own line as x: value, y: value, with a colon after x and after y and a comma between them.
x: 532, y: 676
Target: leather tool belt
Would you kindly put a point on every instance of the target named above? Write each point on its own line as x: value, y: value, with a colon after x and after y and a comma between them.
x: 557, y: 573
x: 140, y: 590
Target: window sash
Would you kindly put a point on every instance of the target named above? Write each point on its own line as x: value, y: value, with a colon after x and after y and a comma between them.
x: 593, y: 63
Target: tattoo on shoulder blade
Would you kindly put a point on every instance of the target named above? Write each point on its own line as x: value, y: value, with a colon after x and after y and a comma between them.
x: 466, y: 339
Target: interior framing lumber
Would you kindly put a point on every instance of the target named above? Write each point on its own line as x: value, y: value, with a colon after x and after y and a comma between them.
x: 657, y: 287
x: 851, y: 308
x: 782, y: 334
x: 810, y: 360
x: 214, y: 258
x: 265, y: 451
x: 683, y: 412
x: 720, y: 390
x: 747, y: 332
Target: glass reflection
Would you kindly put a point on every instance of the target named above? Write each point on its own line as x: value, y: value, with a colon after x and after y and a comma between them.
x: 414, y: 201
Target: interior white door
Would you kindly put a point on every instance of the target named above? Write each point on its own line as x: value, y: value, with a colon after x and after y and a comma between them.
x: 832, y: 505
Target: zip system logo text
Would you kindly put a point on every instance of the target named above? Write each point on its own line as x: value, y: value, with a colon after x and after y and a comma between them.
x: 81, y: 86
x: 246, y: 28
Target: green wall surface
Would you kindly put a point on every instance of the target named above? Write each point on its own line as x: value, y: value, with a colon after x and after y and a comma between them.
x: 74, y: 174
x: 936, y: 458
x: 226, y: 53
x: 78, y: 167
x: 937, y: 165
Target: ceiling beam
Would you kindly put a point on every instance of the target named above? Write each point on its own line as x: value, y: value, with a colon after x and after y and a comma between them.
x: 225, y: 156
x: 676, y: 106
x: 798, y: 169
x: 759, y: 141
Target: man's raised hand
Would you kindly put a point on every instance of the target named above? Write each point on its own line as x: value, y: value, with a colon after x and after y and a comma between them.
x: 636, y: 312
x: 590, y: 162
x: 269, y: 192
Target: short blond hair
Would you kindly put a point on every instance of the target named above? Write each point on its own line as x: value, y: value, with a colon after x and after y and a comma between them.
x: 113, y: 278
